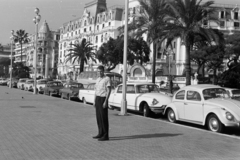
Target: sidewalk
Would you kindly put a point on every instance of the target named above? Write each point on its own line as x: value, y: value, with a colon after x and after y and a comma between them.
x: 39, y: 127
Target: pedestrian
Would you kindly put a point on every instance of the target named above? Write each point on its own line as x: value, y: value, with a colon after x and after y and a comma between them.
x: 102, y: 93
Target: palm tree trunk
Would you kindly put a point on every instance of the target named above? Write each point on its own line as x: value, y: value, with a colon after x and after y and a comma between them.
x: 21, y: 51
x: 154, y: 62
x: 214, y: 75
x: 81, y: 65
x: 187, y: 63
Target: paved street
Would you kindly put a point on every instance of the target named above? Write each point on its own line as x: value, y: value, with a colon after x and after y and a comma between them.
x: 39, y: 127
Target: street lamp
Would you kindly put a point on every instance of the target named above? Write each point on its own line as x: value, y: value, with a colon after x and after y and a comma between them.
x: 124, y: 101
x: 36, y: 20
x: 10, y: 85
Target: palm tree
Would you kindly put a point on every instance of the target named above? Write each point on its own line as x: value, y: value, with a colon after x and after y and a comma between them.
x: 186, y: 17
x: 21, y: 37
x: 81, y: 52
x: 151, y: 21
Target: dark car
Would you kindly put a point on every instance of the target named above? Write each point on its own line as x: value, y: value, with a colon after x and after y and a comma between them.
x: 14, y: 83
x: 52, y: 87
x: 71, y: 90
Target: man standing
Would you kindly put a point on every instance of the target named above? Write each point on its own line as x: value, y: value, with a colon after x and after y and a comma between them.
x: 102, y: 93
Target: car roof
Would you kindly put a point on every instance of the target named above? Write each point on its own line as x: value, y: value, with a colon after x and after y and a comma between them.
x: 200, y: 86
x: 138, y: 83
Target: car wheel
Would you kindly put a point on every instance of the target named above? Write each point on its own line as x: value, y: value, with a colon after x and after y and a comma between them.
x: 36, y: 91
x: 214, y: 124
x: 84, y: 100
x: 146, y: 110
x: 68, y: 97
x: 171, y: 116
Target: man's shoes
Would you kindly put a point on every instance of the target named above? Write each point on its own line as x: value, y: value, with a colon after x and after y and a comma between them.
x: 110, y: 107
x: 103, y: 139
x: 97, y: 136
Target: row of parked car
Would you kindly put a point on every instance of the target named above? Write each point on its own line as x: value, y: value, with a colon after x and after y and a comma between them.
x: 208, y: 105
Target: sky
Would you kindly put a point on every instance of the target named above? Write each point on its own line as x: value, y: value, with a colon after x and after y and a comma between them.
x: 19, y: 14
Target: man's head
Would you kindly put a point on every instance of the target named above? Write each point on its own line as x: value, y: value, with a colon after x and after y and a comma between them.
x: 100, y: 71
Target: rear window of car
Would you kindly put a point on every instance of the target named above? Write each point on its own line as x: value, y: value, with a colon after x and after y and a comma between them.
x: 180, y: 95
x: 42, y: 82
x: 23, y: 80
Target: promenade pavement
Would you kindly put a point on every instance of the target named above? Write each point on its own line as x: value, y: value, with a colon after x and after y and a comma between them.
x: 39, y: 127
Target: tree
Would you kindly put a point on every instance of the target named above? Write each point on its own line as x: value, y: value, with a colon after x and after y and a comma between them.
x: 110, y: 54
x: 81, y: 52
x: 1, y: 47
x: 21, y: 37
x: 185, y: 21
x: 151, y: 21
x: 20, y: 71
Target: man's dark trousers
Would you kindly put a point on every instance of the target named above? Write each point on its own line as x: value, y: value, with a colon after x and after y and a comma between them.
x: 102, y: 117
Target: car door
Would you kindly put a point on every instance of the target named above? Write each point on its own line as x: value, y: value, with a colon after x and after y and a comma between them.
x: 193, y: 106
x: 116, y: 97
x: 179, y: 103
x: 131, y: 97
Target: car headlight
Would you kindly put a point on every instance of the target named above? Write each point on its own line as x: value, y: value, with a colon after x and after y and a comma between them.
x: 229, y: 116
x: 154, y: 102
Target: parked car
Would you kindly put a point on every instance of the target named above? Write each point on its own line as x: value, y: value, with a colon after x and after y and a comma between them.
x: 87, y: 95
x: 143, y: 97
x: 41, y: 84
x: 3, y: 81
x: 53, y: 87
x: 234, y: 93
x: 21, y: 82
x: 71, y: 90
x: 14, y: 83
x: 28, y: 85
x: 204, y: 104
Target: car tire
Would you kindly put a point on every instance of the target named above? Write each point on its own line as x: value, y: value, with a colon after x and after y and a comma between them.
x: 146, y: 110
x: 84, y: 100
x: 171, y: 116
x: 69, y: 97
x: 214, y: 124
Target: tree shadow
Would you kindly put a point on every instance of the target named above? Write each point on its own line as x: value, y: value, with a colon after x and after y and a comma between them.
x: 157, y: 135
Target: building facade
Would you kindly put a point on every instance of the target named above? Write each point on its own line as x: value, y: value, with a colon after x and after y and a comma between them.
x: 98, y: 23
x: 47, y: 52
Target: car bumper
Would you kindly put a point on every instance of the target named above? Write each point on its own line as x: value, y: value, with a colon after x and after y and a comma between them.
x: 232, y: 124
x: 157, y: 109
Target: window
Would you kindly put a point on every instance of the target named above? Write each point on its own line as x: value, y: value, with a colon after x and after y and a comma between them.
x: 180, y: 95
x: 60, y: 46
x: 193, y: 96
x: 222, y: 14
x: 134, y: 10
x: 119, y: 89
x: 72, y: 34
x: 85, y: 30
x: 130, y: 89
x: 222, y: 24
x: 97, y: 27
x: 60, y: 54
x: 103, y: 25
x: 235, y: 15
x: 109, y: 23
x: 85, y: 22
x: 102, y: 38
x: 90, y: 28
x: 205, y: 22
x: 96, y: 41
x: 75, y: 32
x: 236, y: 24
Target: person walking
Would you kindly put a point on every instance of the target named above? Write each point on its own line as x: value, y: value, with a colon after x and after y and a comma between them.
x: 102, y: 93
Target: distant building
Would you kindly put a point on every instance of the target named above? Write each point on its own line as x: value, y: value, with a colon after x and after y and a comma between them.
x: 5, y: 56
x: 98, y: 23
x: 47, y: 52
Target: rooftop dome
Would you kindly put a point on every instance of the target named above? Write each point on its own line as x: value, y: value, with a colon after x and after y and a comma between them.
x: 44, y: 28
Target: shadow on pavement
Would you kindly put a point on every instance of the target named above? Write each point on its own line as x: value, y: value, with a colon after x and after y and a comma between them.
x: 158, y: 135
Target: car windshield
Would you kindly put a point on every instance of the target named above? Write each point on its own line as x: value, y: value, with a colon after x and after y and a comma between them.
x: 147, y: 88
x: 212, y: 93
x: 236, y: 93
x: 75, y: 85
x: 55, y: 84
x: 42, y: 82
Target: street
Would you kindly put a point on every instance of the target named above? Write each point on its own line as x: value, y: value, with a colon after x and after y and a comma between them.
x: 47, y: 128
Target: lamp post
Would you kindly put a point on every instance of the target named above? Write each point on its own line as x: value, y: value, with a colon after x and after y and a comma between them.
x: 124, y: 101
x: 10, y: 85
x: 36, y: 20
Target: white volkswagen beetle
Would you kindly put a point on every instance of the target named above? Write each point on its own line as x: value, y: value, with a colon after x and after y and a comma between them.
x: 142, y: 97
x: 204, y: 104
